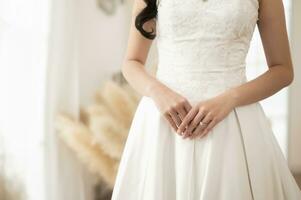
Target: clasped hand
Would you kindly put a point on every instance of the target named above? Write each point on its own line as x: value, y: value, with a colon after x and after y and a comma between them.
x: 192, y: 121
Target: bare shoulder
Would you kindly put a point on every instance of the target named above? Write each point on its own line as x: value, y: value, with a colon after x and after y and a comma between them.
x: 138, y: 46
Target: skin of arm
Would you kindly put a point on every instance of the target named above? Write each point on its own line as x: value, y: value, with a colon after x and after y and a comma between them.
x: 172, y: 105
x: 272, y: 28
x: 280, y: 73
x: 137, y: 50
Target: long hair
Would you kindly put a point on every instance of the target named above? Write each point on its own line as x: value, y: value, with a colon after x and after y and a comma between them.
x: 148, y: 13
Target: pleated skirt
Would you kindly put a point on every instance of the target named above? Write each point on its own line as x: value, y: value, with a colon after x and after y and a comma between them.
x: 239, y: 159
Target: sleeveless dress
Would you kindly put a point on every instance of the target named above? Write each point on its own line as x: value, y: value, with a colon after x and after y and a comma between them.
x: 202, y: 47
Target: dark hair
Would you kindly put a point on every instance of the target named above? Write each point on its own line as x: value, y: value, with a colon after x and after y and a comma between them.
x: 148, y: 13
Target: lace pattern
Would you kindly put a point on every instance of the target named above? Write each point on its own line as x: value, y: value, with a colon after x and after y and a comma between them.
x: 202, y: 45
x: 200, y: 84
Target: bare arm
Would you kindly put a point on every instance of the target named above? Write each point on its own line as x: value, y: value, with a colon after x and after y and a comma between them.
x: 272, y: 28
x: 137, y: 51
x: 172, y: 105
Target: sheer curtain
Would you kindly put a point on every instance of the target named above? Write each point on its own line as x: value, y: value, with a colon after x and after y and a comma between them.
x: 38, y: 78
x: 23, y: 54
x: 65, y: 177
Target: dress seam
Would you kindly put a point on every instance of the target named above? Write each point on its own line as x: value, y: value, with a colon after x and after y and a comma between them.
x: 245, y: 153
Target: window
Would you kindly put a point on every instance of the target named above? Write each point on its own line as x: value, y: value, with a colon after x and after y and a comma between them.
x: 23, y: 58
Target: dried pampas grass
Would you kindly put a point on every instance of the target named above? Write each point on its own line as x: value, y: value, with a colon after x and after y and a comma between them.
x: 108, y: 134
x: 119, y: 102
x: 99, y: 136
x: 78, y: 137
x: 11, y: 188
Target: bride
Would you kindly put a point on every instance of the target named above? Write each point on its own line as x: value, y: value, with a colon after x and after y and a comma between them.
x: 199, y: 132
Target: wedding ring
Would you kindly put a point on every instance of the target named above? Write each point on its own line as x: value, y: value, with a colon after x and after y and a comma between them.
x: 203, y: 124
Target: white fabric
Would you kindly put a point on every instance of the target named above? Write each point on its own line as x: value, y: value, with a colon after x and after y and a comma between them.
x: 23, y: 57
x: 202, y: 46
x: 65, y: 178
x: 34, y: 163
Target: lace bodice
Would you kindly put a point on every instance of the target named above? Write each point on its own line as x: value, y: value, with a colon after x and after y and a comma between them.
x: 202, y: 44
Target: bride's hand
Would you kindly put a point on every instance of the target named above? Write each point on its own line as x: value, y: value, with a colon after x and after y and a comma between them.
x: 205, y: 115
x: 173, y: 106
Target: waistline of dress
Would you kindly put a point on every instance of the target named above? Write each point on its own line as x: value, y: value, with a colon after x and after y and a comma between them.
x: 204, y: 82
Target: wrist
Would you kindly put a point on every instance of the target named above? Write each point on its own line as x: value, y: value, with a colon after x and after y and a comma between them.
x: 234, y: 96
x: 152, y: 88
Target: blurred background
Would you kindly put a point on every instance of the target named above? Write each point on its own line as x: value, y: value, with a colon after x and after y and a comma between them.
x: 65, y: 109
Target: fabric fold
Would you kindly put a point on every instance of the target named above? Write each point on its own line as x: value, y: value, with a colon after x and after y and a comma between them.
x: 238, y: 159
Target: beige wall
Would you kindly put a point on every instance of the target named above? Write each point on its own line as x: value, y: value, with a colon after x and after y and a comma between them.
x: 101, y: 43
x: 294, y: 148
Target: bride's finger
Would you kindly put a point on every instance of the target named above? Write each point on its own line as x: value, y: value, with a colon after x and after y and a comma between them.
x: 171, y: 122
x: 208, y: 128
x: 198, y: 131
x: 207, y: 119
x: 175, y: 117
x: 194, y: 124
x: 187, y: 119
x: 182, y: 113
x: 187, y: 106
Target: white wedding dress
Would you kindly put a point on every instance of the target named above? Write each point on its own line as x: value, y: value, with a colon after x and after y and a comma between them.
x: 202, y: 48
